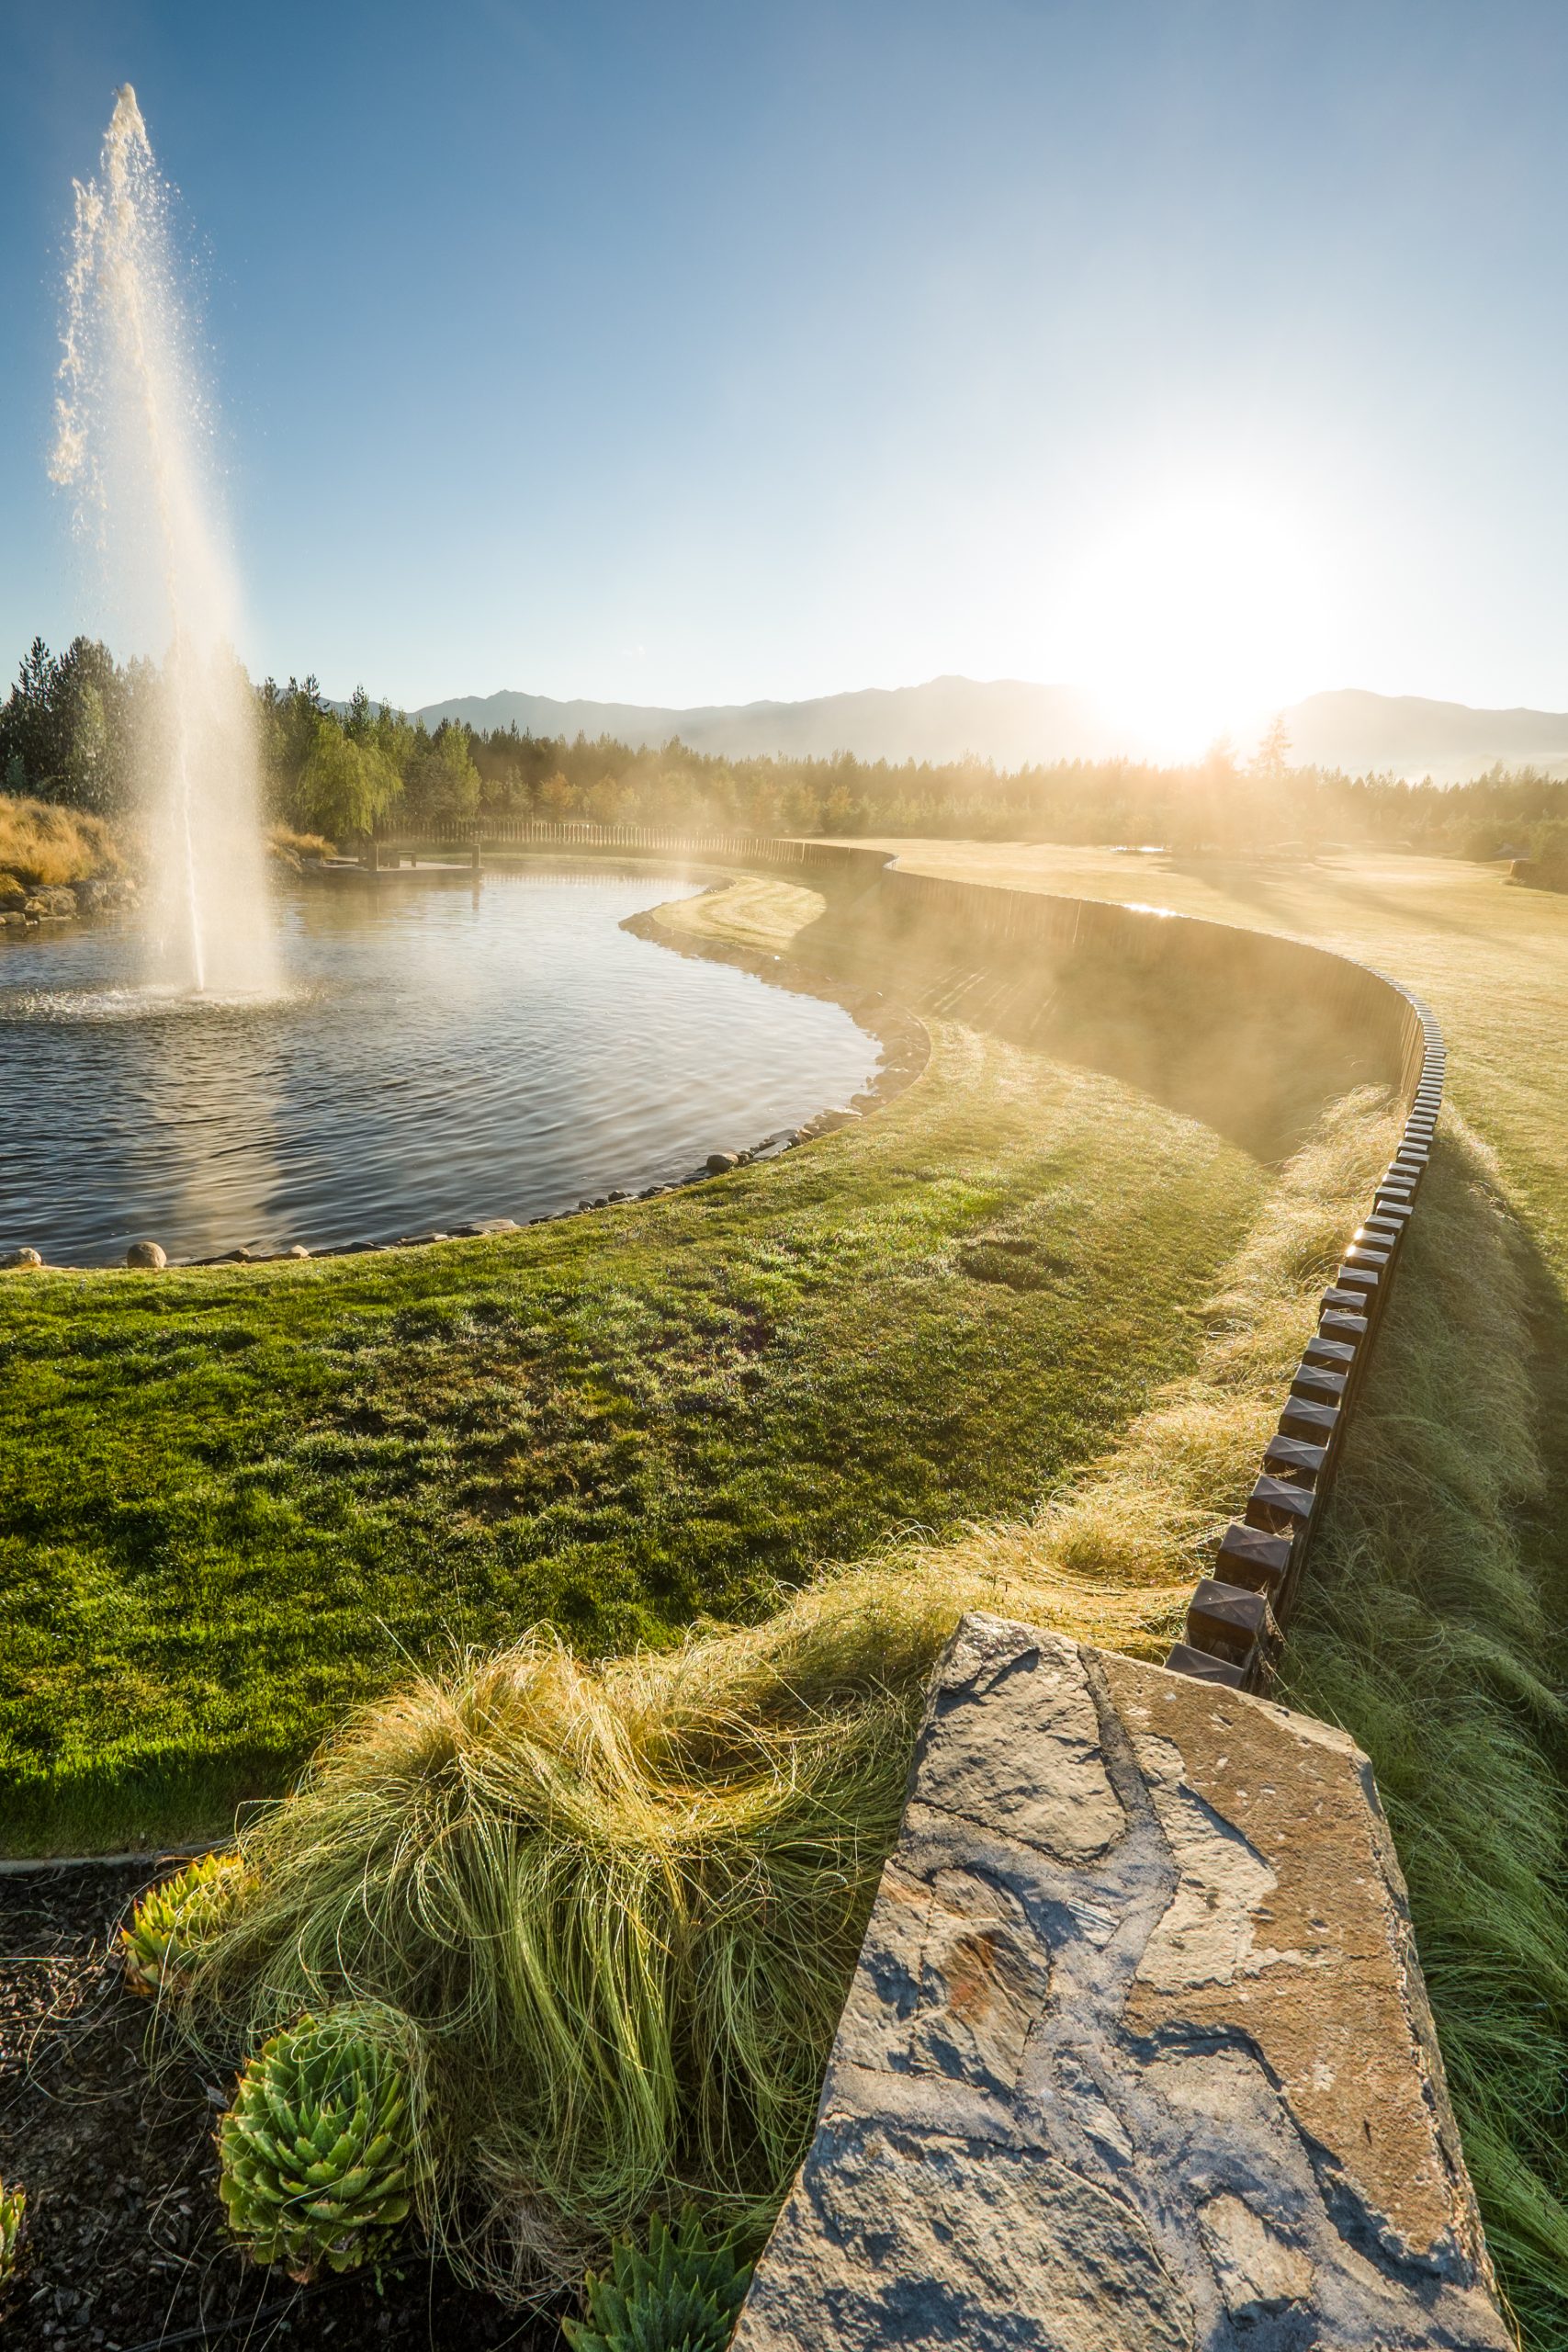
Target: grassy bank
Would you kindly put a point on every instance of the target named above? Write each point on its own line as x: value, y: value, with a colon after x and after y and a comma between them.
x: 248, y: 1498
x: 1435, y: 1622
x: 621, y: 1905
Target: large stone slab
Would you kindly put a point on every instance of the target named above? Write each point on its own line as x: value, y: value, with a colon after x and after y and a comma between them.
x: 1137, y: 2057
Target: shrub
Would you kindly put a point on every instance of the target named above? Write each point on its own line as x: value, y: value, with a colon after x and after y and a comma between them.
x: 173, y: 1917
x: 317, y: 2160
x: 684, y: 2295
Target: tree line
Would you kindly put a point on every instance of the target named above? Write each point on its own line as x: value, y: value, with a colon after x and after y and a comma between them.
x: 70, y: 727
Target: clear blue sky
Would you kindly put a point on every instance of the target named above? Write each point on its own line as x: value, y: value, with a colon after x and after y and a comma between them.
x: 696, y: 353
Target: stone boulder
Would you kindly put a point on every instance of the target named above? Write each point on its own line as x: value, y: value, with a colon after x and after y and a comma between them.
x: 148, y: 1254
x: 1137, y: 2057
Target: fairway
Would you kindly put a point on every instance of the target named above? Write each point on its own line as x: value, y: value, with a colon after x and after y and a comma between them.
x: 1490, y: 957
x: 1432, y: 1623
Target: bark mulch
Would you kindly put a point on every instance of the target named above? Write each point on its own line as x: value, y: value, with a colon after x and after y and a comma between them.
x: 124, y: 2246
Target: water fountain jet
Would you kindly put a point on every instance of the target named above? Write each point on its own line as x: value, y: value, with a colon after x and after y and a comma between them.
x: 133, y: 441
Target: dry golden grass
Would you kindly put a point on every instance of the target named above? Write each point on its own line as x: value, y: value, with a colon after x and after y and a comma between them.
x: 753, y: 912
x: 48, y: 846
x: 285, y: 843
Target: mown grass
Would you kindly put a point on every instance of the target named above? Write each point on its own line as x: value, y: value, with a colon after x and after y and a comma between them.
x: 1435, y: 1622
x: 622, y: 1904
x: 237, y: 1501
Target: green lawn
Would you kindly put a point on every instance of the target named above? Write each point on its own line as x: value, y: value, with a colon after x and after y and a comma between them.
x: 240, y: 1498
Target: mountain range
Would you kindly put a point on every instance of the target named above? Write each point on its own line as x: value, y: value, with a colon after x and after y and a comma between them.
x: 1013, y: 724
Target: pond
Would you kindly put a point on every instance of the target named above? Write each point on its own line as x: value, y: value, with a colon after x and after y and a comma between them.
x: 445, y: 1049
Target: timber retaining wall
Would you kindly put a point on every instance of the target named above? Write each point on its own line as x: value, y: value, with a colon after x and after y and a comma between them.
x: 1300, y: 1002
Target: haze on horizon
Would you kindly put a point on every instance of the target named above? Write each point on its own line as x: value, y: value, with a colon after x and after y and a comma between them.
x: 1199, y: 357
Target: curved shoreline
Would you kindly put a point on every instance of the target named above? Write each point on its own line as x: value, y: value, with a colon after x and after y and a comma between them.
x: 905, y: 1049
x: 1235, y: 1618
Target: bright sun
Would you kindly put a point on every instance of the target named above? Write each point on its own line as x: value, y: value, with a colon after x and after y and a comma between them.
x: 1199, y: 615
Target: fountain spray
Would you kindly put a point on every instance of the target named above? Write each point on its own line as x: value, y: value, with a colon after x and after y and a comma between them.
x: 132, y: 440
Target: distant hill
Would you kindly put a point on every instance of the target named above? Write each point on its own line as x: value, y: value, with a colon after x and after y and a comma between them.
x: 1446, y: 740
x: 1014, y: 724
x: 1005, y: 722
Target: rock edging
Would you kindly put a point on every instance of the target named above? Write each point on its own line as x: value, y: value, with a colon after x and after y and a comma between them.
x: 1138, y: 2051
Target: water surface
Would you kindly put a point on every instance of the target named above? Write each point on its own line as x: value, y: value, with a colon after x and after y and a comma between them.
x: 444, y: 1049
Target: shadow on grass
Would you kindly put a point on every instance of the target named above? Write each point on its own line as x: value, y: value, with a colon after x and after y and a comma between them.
x: 1431, y: 1628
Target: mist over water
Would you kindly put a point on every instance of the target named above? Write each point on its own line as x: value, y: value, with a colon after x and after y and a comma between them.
x: 132, y: 443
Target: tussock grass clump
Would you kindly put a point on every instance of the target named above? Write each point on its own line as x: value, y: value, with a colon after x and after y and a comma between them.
x: 1427, y: 1630
x: 290, y: 846
x: 622, y: 1901
x: 49, y: 847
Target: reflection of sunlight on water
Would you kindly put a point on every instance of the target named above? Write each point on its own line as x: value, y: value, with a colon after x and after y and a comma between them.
x: 148, y: 1002
x: 209, y: 1111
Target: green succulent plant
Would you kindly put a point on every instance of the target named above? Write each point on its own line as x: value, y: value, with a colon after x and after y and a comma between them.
x: 174, y: 1917
x: 13, y: 2214
x: 318, y: 2157
x: 684, y: 2295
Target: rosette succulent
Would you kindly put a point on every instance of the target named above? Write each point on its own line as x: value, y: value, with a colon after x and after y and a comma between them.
x: 13, y: 2213
x: 684, y: 2295
x: 173, y: 1917
x: 318, y: 2158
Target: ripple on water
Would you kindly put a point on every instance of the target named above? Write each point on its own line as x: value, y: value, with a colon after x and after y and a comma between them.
x: 438, y: 1054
